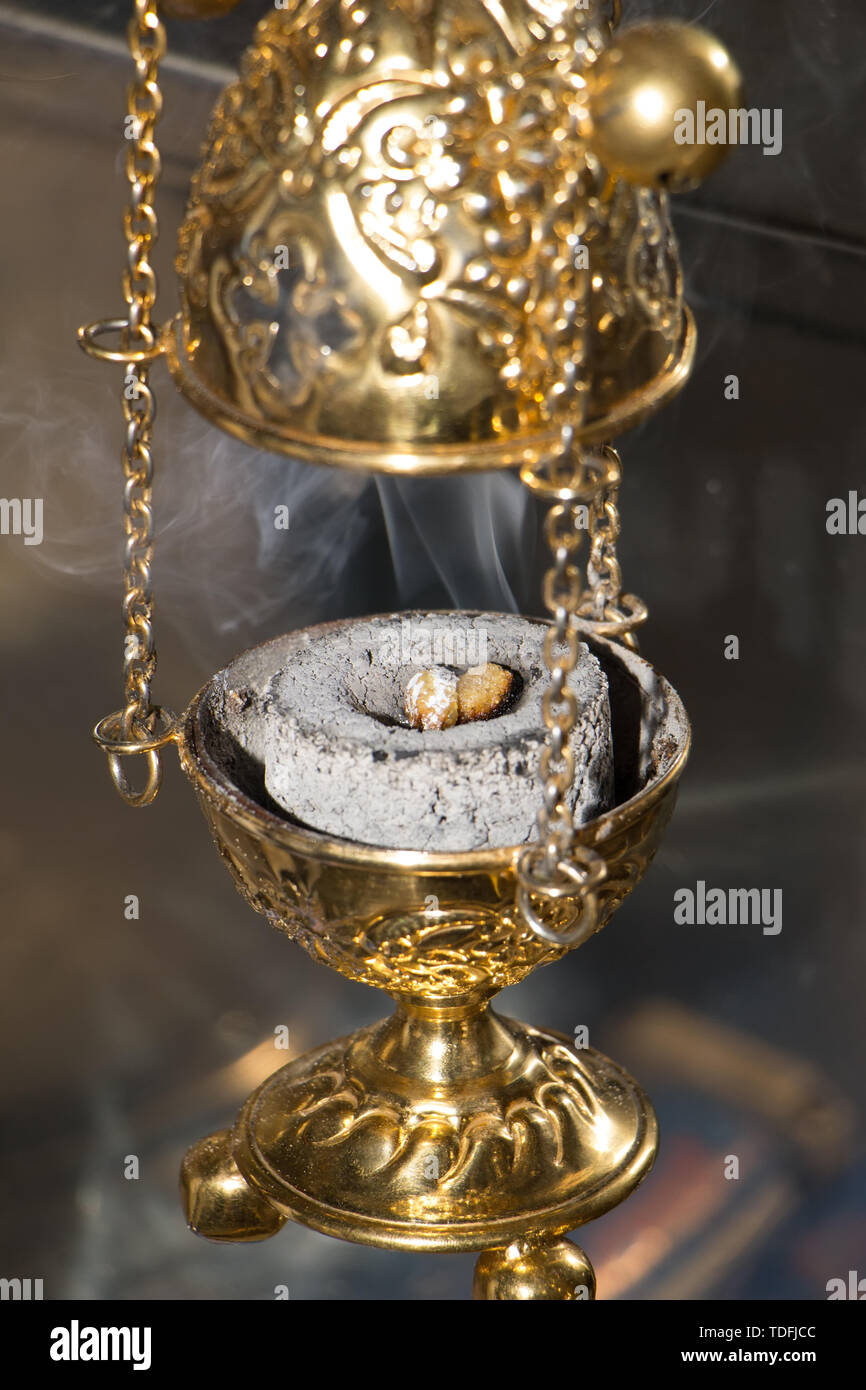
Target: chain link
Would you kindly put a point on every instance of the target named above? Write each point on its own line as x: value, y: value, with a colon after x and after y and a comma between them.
x: 583, y: 490
x: 140, y: 727
x: 146, y: 35
x: 555, y: 867
x: 611, y: 613
x: 603, y: 573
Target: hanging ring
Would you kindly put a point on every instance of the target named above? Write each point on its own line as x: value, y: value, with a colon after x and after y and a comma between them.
x: 584, y: 485
x: 149, y: 790
x: 117, y: 743
x: 114, y: 739
x: 631, y: 613
x: 147, y: 343
x: 579, y: 877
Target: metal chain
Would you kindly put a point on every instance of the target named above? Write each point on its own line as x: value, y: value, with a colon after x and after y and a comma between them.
x: 603, y: 572
x: 147, y: 46
x: 611, y: 613
x: 556, y: 867
x: 578, y: 485
x: 140, y: 727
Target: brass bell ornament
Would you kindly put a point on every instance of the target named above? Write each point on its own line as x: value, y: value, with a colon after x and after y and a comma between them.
x: 427, y: 237
x: 463, y: 266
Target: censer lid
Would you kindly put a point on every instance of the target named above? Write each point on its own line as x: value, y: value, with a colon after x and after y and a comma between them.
x: 400, y: 252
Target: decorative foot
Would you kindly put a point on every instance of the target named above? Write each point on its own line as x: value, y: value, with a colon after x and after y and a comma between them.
x: 218, y: 1201
x: 446, y: 1128
x: 530, y: 1269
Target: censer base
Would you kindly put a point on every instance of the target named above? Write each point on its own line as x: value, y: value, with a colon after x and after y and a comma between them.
x: 445, y: 1128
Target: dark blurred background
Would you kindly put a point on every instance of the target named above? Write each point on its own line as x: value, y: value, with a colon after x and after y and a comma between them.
x: 136, y: 1037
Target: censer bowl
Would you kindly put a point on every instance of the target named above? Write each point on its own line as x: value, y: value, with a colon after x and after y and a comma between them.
x: 446, y: 1127
x: 430, y: 925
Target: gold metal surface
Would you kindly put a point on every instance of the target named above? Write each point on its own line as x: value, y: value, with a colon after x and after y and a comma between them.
x: 140, y: 728
x: 400, y: 252
x: 604, y: 606
x: 217, y: 1197
x: 363, y: 910
x: 419, y: 459
x: 91, y: 335
x: 528, y: 1269
x: 445, y: 1127
x: 554, y: 869
x: 446, y: 1130
x: 637, y: 92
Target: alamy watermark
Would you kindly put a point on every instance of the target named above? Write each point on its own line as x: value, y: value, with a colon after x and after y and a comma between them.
x: 433, y: 644
x: 21, y: 1290
x: 846, y: 516
x: 703, y: 906
x: 738, y: 126
x: 77, y: 1343
x: 22, y: 516
x: 853, y: 1288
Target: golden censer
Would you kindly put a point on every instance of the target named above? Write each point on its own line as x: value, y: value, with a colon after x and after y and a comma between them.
x: 427, y: 237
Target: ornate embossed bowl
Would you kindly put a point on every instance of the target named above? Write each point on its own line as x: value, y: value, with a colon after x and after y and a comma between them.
x: 429, y: 925
x: 400, y: 253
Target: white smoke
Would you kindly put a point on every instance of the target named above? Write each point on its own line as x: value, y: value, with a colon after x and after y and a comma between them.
x: 472, y: 536
x: 224, y: 564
